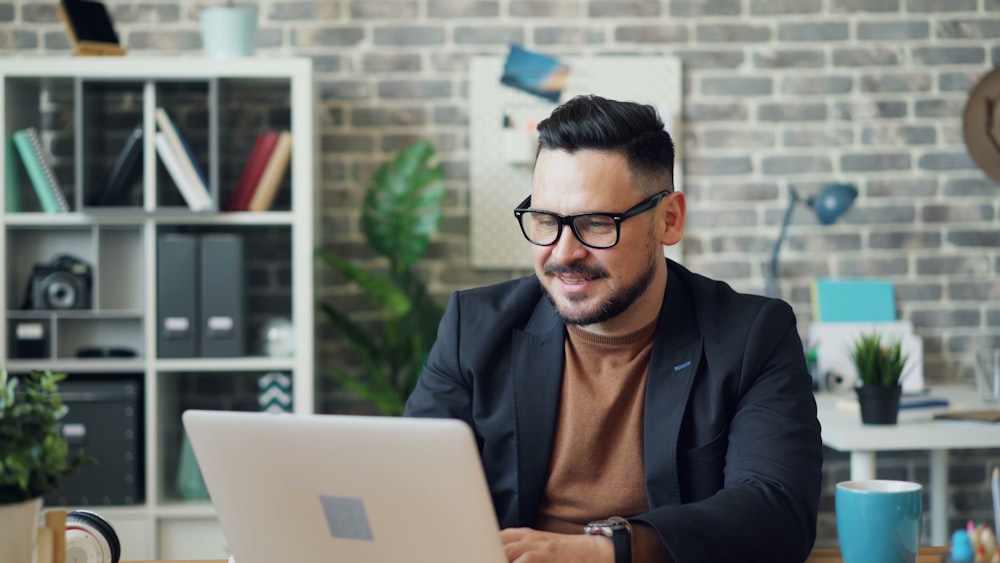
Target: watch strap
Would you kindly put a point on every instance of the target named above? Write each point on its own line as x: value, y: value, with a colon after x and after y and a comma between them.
x: 622, y: 540
x: 619, y: 531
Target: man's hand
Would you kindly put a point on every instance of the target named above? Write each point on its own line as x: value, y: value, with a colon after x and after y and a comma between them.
x: 525, y: 545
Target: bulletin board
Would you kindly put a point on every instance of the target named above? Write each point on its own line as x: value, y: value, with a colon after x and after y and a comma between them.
x: 502, y: 148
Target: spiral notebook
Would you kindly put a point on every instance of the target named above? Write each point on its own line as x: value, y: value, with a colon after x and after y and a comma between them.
x: 40, y: 171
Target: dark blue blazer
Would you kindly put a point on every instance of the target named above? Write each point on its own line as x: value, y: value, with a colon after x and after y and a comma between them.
x: 732, y: 446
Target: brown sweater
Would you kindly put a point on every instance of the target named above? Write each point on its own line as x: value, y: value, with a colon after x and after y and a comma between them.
x: 597, y: 463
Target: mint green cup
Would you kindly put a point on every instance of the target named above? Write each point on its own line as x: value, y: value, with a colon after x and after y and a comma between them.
x: 879, y: 521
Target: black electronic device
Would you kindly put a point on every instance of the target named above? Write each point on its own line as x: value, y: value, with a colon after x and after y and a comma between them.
x: 66, y: 282
x: 89, y: 27
x: 105, y: 352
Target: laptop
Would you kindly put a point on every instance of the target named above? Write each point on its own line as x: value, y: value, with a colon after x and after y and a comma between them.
x: 345, y: 489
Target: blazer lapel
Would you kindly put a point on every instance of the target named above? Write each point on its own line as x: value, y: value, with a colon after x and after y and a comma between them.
x: 537, y: 366
x: 676, y: 355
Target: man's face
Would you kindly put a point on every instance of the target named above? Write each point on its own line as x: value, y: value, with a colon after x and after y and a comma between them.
x: 588, y: 285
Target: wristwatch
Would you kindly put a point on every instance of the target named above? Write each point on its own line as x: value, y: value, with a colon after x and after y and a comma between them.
x: 620, y: 532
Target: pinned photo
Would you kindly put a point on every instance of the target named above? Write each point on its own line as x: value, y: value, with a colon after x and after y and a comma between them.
x: 535, y: 73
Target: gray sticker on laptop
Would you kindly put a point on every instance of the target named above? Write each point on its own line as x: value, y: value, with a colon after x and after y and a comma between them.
x: 346, y: 517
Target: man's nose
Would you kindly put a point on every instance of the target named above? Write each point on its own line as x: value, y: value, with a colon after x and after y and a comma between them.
x: 568, y: 248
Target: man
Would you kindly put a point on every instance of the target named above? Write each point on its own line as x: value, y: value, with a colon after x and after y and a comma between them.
x: 617, y: 393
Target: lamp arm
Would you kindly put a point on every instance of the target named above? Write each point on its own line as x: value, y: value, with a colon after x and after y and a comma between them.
x: 772, y: 281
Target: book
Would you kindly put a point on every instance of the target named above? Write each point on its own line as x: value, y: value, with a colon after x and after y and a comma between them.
x: 853, y: 301
x: 260, y: 153
x: 195, y: 198
x: 270, y: 179
x: 907, y: 402
x: 982, y: 415
x: 921, y: 401
x: 124, y: 173
x: 12, y: 192
x: 182, y: 152
x: 43, y: 177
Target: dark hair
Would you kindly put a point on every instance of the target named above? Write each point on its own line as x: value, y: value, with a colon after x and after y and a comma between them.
x: 593, y: 122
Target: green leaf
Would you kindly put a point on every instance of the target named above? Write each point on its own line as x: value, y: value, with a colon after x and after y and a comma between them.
x: 403, y: 205
x: 878, y: 364
x: 34, y: 457
x: 380, y: 289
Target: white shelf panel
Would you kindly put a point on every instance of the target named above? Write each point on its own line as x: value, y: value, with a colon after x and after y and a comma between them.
x: 185, y: 510
x: 250, y: 363
x: 179, y: 216
x: 93, y: 365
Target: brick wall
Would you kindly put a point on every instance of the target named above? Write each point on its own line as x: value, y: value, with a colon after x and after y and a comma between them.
x: 779, y: 94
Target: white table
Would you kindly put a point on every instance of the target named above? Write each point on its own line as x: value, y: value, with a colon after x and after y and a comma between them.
x: 916, y: 430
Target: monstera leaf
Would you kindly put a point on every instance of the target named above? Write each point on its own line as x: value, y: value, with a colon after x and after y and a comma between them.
x: 403, y: 205
x: 402, y: 212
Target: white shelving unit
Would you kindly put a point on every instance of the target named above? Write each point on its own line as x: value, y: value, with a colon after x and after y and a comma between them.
x: 85, y: 108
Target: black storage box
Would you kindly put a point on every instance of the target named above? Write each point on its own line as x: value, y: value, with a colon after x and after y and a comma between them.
x: 105, y: 419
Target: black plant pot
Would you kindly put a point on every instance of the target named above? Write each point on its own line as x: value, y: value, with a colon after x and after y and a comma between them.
x: 879, y: 405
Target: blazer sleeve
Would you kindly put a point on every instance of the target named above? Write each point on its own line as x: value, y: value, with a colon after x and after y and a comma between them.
x: 766, y: 510
x: 441, y: 390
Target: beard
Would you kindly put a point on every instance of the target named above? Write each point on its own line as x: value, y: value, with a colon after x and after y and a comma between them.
x: 615, y: 304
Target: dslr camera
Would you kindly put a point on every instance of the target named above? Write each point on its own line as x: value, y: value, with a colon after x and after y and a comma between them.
x: 66, y: 282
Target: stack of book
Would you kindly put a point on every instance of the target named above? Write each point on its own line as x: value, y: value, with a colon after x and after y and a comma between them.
x: 262, y: 174
x: 180, y: 162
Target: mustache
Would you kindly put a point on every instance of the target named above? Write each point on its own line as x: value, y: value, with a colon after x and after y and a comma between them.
x: 574, y: 269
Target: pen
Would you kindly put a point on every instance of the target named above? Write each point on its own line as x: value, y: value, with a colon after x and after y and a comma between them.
x: 995, y: 485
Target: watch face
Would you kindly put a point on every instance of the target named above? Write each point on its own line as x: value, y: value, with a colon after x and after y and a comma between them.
x: 606, y: 527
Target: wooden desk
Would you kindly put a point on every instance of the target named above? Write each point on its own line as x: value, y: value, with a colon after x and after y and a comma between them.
x: 819, y: 555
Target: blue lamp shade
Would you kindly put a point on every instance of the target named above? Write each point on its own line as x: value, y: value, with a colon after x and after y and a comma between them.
x: 829, y: 205
x: 832, y: 202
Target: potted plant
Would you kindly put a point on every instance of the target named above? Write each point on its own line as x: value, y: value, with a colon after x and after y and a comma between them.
x: 880, y: 370
x: 402, y: 210
x: 34, y: 457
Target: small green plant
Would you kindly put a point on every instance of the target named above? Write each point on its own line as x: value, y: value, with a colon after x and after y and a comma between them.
x: 34, y: 457
x: 402, y: 210
x: 879, y: 364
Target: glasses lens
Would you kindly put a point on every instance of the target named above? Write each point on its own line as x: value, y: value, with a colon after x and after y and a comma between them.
x: 596, y: 230
x: 540, y: 228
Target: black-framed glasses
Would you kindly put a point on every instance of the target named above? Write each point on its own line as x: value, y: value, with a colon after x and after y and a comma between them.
x: 596, y: 230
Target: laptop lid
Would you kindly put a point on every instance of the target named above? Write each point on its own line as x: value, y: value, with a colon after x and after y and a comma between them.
x: 340, y: 488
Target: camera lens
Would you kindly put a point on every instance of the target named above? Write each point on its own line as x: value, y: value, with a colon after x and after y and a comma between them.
x: 60, y: 292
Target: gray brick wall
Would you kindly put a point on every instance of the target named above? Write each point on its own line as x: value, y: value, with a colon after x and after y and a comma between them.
x: 780, y: 94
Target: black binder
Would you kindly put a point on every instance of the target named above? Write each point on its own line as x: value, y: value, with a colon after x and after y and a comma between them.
x: 221, y: 292
x: 176, y: 295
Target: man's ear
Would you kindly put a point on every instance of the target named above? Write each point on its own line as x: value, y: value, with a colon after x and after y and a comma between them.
x: 673, y: 210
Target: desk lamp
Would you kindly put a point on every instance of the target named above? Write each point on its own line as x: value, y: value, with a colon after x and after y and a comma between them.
x: 829, y: 205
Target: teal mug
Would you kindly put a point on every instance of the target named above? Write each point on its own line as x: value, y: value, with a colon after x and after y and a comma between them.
x: 879, y: 521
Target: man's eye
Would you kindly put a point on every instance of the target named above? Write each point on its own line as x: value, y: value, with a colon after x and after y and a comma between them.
x: 597, y: 224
